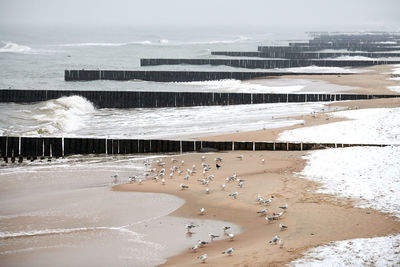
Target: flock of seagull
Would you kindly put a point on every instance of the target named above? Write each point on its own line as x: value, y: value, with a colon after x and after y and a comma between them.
x: 160, y: 174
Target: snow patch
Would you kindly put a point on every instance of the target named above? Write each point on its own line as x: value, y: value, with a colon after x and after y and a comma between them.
x: 378, y: 251
x: 367, y: 126
x: 370, y: 175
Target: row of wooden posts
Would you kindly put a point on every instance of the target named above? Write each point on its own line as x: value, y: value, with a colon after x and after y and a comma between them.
x: 55, y: 147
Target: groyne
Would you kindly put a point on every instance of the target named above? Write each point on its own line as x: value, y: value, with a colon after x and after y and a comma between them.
x: 173, y: 76
x: 151, y: 99
x: 31, y: 148
x: 304, y: 55
x: 264, y: 63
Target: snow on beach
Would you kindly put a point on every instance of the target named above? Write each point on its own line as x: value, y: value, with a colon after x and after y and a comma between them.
x: 366, y: 126
x: 368, y: 175
x: 371, y: 177
x: 378, y: 251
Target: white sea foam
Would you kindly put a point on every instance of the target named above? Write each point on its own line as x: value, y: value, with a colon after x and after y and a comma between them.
x: 157, y: 42
x: 316, y: 69
x: 240, y: 86
x: 10, y: 47
x: 145, y: 42
x: 64, y: 114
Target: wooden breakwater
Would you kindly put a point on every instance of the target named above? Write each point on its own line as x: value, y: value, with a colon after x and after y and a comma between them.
x: 55, y: 147
x: 366, y: 48
x: 264, y: 63
x: 304, y: 55
x: 151, y: 99
x: 173, y: 76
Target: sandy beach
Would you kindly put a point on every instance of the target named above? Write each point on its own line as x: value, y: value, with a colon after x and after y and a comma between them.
x: 313, y: 219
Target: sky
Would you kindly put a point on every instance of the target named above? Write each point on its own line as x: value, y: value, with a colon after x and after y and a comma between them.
x: 201, y: 12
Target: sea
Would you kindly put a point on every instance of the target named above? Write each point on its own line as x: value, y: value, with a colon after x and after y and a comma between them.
x: 63, y: 212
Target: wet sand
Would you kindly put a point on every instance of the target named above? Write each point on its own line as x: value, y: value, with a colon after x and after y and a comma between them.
x: 313, y: 219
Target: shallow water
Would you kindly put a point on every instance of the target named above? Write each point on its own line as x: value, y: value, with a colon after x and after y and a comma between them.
x: 64, y: 213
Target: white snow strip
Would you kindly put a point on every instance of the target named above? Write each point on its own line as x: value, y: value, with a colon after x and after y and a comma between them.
x: 394, y: 88
x: 367, y: 126
x: 396, y: 69
x: 370, y: 175
x: 378, y: 251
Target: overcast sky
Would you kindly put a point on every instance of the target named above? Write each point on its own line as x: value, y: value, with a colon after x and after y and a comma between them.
x: 201, y: 12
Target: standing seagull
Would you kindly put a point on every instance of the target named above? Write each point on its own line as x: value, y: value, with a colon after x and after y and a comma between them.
x: 284, y: 207
x: 240, y: 157
x: 282, y: 226
x: 274, y: 240
x: 212, y: 236
x: 234, y: 195
x: 203, y: 258
x: 201, y: 211
x: 262, y: 212
x: 231, y: 237
x: 229, y: 251
x: 223, y: 187
x: 226, y: 228
x: 281, y: 243
x: 182, y: 186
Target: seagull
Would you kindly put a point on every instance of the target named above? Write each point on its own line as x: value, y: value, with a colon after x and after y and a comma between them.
x: 203, y: 258
x: 240, y: 184
x: 187, y: 177
x: 262, y: 212
x: 203, y: 158
x: 212, y: 236
x: 262, y: 161
x: 269, y: 219
x: 132, y: 179
x: 201, y: 211
x: 202, y: 243
x: 277, y: 215
x: 234, y: 195
x: 274, y: 240
x: 259, y: 199
x: 180, y: 172
x: 284, y: 207
x: 223, y: 187
x: 163, y: 181
x: 218, y: 160
x: 267, y: 202
x: 229, y: 251
x: 231, y: 237
x: 207, y: 190
x: 226, y: 228
x: 210, y: 177
x: 194, y: 167
x: 217, y: 166
x: 115, y: 176
x: 171, y: 175
x: 173, y: 160
x: 189, y: 226
x: 240, y: 157
x: 182, y: 162
x: 182, y: 186
x: 281, y: 242
x: 194, y: 248
x: 204, y: 164
x: 282, y: 226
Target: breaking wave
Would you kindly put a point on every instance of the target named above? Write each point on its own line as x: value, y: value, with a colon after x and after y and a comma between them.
x: 10, y: 47
x: 157, y: 42
x: 62, y: 115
